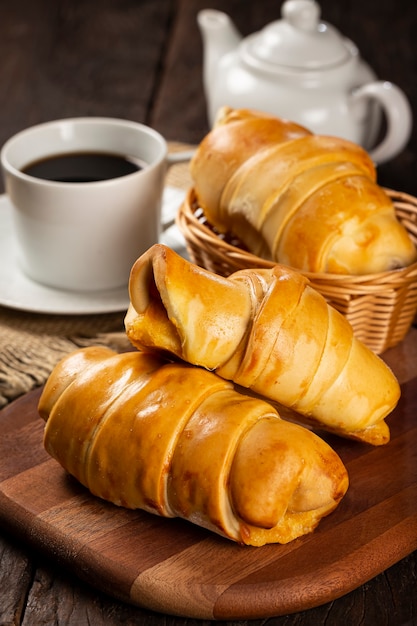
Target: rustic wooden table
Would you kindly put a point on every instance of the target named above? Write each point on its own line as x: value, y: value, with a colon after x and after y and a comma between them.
x: 142, y: 60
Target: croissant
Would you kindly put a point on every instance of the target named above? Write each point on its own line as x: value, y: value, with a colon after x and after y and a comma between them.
x: 308, y: 201
x: 178, y: 441
x: 267, y: 330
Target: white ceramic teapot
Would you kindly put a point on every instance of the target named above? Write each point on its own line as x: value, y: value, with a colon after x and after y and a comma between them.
x: 302, y: 69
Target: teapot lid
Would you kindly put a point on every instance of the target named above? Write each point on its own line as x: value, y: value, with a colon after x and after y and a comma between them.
x: 299, y: 41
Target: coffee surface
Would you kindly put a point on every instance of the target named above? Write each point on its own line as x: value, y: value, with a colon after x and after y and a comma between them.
x: 82, y: 167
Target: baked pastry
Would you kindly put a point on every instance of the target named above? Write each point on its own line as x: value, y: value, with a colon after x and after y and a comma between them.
x: 178, y: 441
x: 309, y: 201
x: 267, y: 330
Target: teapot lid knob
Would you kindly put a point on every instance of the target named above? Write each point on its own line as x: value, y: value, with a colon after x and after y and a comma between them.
x: 302, y: 14
x: 297, y: 41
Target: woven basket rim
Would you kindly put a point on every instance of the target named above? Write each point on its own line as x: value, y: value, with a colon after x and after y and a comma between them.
x: 401, y: 275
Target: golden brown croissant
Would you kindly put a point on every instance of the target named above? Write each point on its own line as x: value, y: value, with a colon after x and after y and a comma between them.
x: 179, y: 441
x: 267, y: 330
x: 308, y: 201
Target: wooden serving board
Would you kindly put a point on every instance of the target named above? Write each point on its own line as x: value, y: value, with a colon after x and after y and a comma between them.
x: 177, y: 568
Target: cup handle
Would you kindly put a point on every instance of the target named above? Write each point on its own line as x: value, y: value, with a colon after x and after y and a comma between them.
x: 174, y: 158
x: 179, y: 157
x: 398, y: 116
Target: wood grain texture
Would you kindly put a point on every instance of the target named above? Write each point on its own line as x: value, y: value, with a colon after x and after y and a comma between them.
x: 173, y: 567
x: 64, y: 59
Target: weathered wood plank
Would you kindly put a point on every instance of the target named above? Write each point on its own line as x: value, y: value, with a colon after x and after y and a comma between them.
x: 66, y: 59
x: 16, y: 572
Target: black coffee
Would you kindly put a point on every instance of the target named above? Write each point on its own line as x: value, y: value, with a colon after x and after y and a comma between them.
x: 82, y: 167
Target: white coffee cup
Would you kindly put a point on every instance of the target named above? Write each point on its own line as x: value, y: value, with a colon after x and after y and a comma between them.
x: 85, y: 236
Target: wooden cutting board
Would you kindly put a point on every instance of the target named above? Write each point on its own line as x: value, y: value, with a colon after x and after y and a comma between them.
x: 174, y: 567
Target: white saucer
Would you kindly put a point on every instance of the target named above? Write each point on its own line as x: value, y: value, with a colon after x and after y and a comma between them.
x: 17, y: 291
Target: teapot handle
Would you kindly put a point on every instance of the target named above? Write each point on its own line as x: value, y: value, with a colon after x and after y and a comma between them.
x: 398, y: 114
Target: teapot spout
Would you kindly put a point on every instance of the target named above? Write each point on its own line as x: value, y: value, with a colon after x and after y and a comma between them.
x: 219, y: 36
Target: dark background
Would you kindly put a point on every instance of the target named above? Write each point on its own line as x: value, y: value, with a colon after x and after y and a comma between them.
x: 142, y: 60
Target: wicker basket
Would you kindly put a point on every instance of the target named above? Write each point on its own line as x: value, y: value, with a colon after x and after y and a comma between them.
x: 380, y: 307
